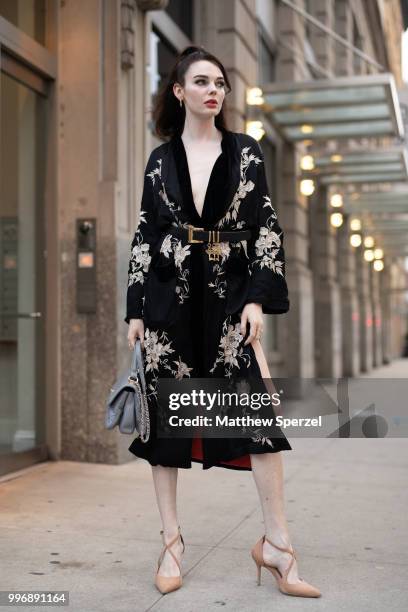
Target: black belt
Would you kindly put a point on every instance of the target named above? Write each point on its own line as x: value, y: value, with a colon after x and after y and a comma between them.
x: 193, y: 234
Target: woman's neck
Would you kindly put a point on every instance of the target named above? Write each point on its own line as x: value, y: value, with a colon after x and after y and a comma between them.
x: 200, y: 131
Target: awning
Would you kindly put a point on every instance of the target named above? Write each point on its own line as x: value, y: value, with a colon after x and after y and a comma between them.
x: 384, y: 212
x: 378, y: 202
x: 384, y: 215
x: 362, y: 166
x: 342, y: 107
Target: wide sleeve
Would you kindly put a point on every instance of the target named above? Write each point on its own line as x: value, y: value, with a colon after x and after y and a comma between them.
x: 146, y: 236
x: 265, y: 249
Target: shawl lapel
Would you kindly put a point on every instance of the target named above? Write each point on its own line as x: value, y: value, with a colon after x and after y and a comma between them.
x: 235, y: 169
x: 171, y: 180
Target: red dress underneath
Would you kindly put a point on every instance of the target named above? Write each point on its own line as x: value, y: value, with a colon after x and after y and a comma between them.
x: 197, y: 455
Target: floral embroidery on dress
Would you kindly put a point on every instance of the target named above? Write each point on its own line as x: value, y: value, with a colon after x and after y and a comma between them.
x: 180, y: 253
x: 219, y: 284
x: 139, y: 256
x: 140, y: 253
x: 260, y: 438
x: 162, y: 192
x: 157, y: 351
x: 166, y: 246
x: 242, y: 387
x: 173, y: 245
x: 157, y: 346
x: 182, y: 369
x: 243, y: 189
x: 230, y: 354
x: 182, y: 288
x: 268, y: 244
x: 156, y: 171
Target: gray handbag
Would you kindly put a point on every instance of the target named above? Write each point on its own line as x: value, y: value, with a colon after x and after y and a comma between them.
x: 127, y: 402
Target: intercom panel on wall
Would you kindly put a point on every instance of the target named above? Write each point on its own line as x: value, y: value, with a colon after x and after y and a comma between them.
x: 86, y: 265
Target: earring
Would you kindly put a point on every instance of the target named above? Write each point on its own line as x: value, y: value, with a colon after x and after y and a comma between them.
x: 181, y: 104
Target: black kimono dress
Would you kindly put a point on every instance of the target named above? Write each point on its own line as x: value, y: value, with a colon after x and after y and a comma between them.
x: 196, y: 334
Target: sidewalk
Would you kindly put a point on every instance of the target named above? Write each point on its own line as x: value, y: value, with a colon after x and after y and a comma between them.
x: 94, y: 530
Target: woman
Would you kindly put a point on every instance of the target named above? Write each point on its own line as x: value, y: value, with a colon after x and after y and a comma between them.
x: 196, y: 296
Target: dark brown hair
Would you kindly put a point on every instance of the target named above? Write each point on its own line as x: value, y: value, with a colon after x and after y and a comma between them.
x: 168, y: 117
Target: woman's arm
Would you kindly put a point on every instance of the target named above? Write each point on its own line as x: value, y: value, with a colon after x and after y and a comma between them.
x: 146, y: 236
x: 265, y: 250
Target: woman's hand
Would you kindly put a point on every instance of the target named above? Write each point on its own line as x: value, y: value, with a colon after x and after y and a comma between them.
x: 136, y: 330
x: 252, y: 314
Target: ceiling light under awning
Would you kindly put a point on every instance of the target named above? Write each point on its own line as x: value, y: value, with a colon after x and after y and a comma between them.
x: 342, y: 107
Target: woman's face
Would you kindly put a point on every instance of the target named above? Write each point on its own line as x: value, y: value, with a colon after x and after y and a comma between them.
x: 204, y: 82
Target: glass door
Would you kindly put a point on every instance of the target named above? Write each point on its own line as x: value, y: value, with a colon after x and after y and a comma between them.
x: 23, y: 106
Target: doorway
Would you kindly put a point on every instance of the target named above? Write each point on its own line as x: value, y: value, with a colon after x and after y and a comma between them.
x: 23, y: 126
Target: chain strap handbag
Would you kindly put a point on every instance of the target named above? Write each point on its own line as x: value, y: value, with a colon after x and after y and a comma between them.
x: 127, y: 402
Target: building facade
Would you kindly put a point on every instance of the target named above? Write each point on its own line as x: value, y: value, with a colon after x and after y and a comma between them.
x: 77, y: 84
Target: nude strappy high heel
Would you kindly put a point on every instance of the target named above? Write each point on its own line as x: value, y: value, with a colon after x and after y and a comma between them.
x: 166, y: 584
x: 297, y: 589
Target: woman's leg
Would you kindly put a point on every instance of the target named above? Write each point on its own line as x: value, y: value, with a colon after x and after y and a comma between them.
x: 165, y: 484
x: 267, y: 470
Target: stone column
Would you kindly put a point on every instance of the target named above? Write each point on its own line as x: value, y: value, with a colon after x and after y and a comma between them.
x: 327, y: 307
x: 298, y: 331
x: 349, y: 303
x: 365, y: 311
x: 377, y: 318
x: 297, y: 326
x: 398, y: 306
x: 229, y: 30
x: 87, y: 174
x: 385, y: 300
x: 343, y: 25
x: 322, y: 43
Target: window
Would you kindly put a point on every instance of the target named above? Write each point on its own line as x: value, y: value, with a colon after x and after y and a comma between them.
x: 181, y: 13
x: 27, y: 15
x: 267, y: 61
x: 357, y: 42
x: 163, y: 56
x: 308, y: 25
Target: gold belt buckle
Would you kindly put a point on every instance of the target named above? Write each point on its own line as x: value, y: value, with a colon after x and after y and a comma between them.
x: 191, y: 230
x: 214, y: 248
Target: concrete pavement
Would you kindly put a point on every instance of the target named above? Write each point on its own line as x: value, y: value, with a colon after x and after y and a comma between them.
x: 93, y: 529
